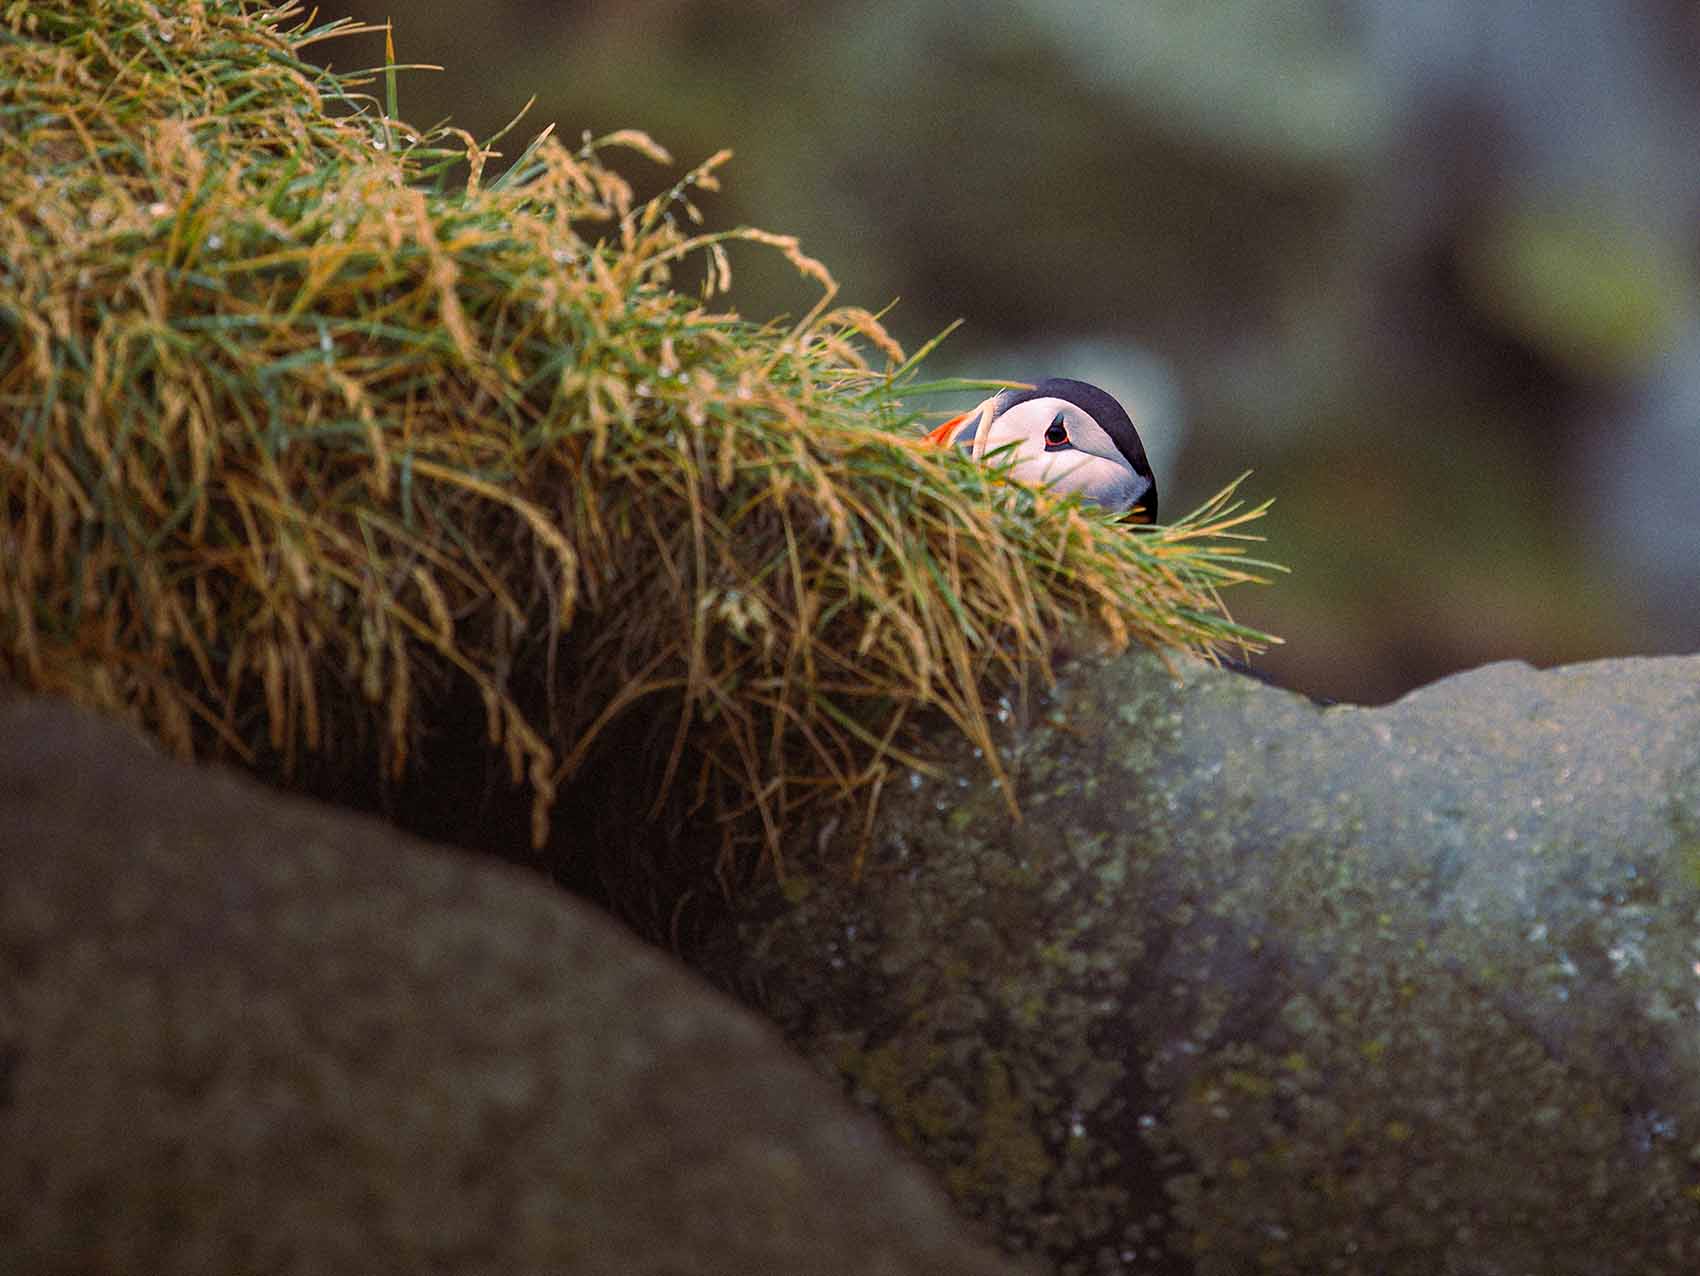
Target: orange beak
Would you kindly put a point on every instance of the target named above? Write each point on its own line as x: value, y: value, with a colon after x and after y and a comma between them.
x: 941, y: 436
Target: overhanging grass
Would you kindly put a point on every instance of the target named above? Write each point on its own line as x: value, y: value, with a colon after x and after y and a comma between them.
x: 293, y: 443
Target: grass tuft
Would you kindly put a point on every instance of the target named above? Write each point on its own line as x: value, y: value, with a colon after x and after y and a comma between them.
x: 298, y: 439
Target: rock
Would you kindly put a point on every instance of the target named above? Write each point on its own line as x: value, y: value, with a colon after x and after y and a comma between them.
x: 1258, y: 986
x: 241, y: 1032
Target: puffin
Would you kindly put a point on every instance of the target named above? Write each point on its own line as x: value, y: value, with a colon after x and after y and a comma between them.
x: 1064, y: 434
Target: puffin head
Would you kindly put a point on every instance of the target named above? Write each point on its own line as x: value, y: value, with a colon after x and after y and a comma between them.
x: 1066, y: 435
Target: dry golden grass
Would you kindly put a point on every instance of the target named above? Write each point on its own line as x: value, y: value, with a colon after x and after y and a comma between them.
x: 294, y: 441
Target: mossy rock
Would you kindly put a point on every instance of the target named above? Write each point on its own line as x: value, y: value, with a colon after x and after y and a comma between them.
x: 240, y: 1031
x: 1259, y: 986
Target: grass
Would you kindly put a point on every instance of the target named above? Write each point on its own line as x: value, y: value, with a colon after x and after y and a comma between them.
x: 302, y: 436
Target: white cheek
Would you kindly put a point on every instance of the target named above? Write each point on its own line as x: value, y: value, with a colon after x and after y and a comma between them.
x: 1104, y: 482
x: 1015, y: 445
x: 1092, y: 468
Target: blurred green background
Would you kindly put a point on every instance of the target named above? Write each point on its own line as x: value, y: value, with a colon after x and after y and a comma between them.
x: 1428, y: 270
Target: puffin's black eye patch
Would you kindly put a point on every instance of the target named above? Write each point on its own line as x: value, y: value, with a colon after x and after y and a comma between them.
x: 1056, y: 434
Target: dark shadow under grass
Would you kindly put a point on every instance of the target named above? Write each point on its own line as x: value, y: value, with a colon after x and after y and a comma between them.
x: 375, y: 488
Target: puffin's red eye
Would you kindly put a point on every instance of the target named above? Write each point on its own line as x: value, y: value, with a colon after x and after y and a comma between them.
x: 1056, y: 433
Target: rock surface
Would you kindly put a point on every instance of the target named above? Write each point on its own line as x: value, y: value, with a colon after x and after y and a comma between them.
x: 240, y: 1032
x: 1258, y: 986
